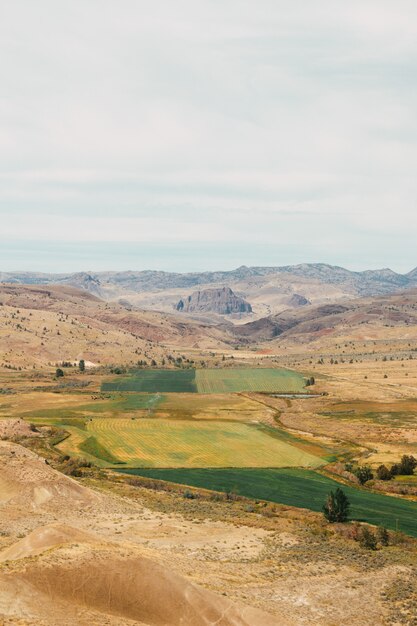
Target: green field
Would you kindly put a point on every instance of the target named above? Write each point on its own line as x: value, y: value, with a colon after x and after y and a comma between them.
x: 155, y: 381
x: 207, y: 381
x: 295, y: 487
x: 148, y: 442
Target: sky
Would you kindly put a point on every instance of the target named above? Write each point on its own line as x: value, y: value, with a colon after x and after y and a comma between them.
x: 207, y: 134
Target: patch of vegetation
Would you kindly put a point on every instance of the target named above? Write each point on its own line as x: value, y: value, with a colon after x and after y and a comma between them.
x: 58, y: 436
x: 295, y: 487
x: 235, y: 380
x: 74, y: 421
x: 73, y: 467
x: 155, y: 381
x: 94, y: 448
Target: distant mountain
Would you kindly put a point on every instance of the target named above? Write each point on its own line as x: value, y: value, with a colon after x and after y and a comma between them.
x: 270, y: 290
x: 80, y: 280
x: 222, y: 301
x: 412, y: 276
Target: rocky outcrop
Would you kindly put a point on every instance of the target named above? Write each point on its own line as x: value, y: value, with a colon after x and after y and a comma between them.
x: 222, y: 301
x: 296, y: 300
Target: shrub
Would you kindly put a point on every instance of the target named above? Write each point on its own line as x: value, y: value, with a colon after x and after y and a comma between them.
x: 363, y: 474
x: 383, y: 473
x: 59, y: 373
x: 367, y: 539
x: 73, y: 467
x: 189, y: 495
x: 382, y: 536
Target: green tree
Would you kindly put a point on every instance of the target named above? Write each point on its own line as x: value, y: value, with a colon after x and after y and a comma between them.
x: 81, y: 365
x: 407, y: 465
x: 336, y: 507
x: 395, y: 469
x: 59, y: 373
x: 383, y: 473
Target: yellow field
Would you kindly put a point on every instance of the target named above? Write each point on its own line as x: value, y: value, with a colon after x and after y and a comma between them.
x: 185, y: 443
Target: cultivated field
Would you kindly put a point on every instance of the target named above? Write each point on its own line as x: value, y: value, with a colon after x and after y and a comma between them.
x: 149, y: 442
x: 155, y: 381
x: 227, y: 380
x: 296, y: 487
x: 250, y: 379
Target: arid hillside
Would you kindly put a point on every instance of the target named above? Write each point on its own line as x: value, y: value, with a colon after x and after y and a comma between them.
x: 41, y: 324
x: 73, y: 555
x: 359, y: 316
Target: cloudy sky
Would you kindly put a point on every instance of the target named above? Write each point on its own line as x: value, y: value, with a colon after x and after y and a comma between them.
x: 206, y: 134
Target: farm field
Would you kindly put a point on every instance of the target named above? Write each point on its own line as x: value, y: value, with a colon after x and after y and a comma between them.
x: 207, y: 381
x: 295, y: 487
x: 155, y: 381
x: 176, y: 443
x: 130, y: 404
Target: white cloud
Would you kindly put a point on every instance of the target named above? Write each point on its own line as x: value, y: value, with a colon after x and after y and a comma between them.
x: 233, y: 119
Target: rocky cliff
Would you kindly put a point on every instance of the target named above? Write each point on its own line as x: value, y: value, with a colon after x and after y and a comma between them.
x: 222, y: 301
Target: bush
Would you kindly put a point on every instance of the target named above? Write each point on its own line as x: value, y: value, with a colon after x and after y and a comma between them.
x: 383, y: 473
x: 336, y: 507
x: 363, y: 474
x: 59, y: 373
x: 367, y: 539
x: 382, y: 536
x: 189, y: 495
x: 73, y: 467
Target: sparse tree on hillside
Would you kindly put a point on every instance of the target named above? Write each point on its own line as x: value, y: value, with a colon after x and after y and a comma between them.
x: 383, y: 473
x: 81, y: 365
x: 408, y: 464
x: 336, y: 507
x: 59, y: 373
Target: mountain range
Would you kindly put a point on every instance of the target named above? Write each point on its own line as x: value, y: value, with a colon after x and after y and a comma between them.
x: 266, y: 290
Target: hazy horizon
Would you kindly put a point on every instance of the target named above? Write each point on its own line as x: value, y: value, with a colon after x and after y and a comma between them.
x: 149, y: 260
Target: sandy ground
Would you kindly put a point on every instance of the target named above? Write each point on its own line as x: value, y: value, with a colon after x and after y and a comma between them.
x: 98, y: 558
x: 70, y: 554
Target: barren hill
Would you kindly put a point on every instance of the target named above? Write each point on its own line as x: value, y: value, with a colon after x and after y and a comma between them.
x: 310, y: 322
x: 41, y: 324
x: 62, y: 572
